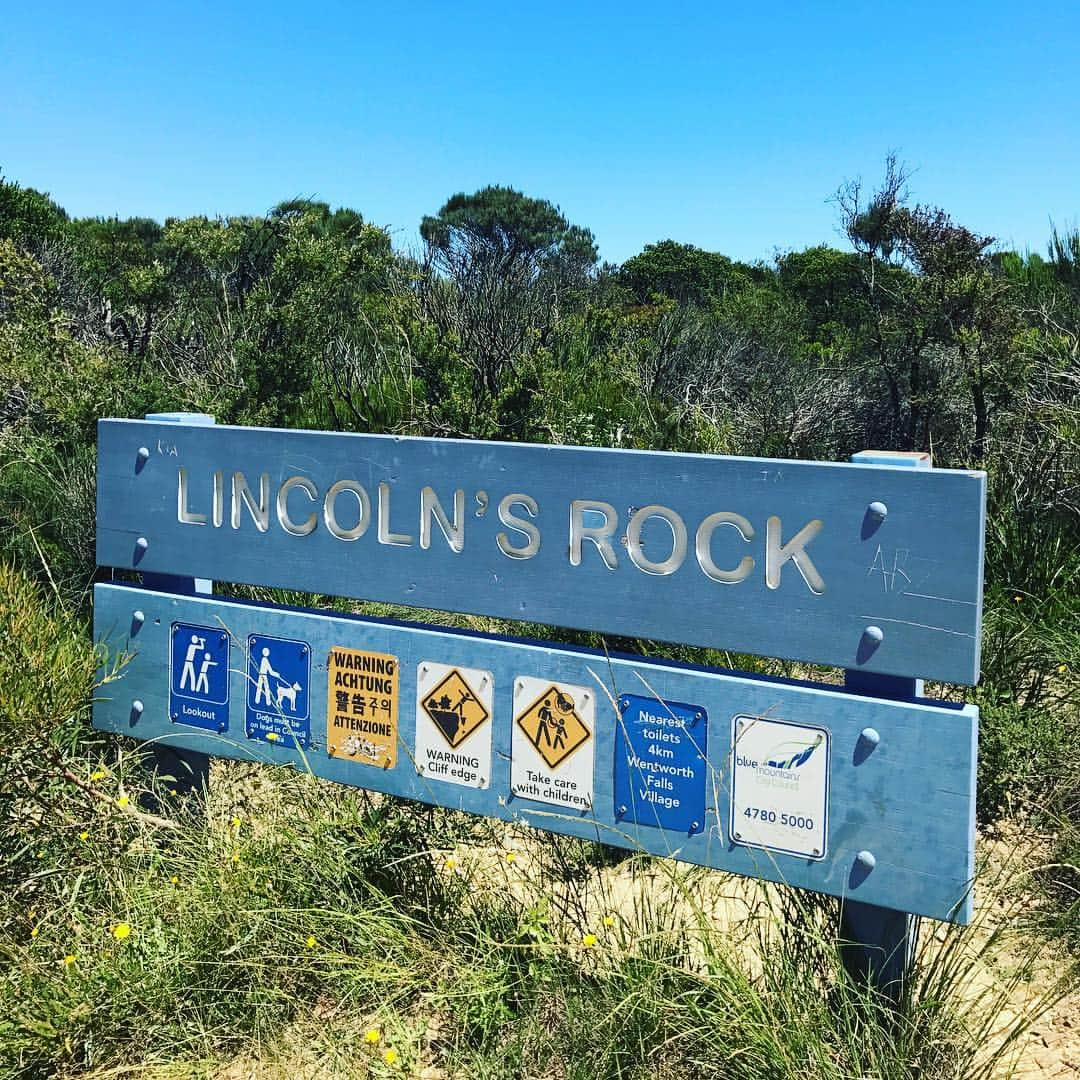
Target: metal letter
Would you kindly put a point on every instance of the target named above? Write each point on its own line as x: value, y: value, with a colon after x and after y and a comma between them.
x: 633, y: 540
x: 431, y: 507
x: 330, y: 515
x: 183, y: 514
x: 241, y: 493
x: 219, y: 498
x: 385, y: 535
x: 600, y: 535
x: 512, y: 521
x: 284, y: 520
x: 777, y: 553
x: 704, y: 547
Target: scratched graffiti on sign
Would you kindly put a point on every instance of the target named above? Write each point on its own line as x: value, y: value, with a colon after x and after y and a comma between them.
x: 362, y: 707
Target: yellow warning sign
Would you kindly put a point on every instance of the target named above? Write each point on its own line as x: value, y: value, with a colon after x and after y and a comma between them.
x: 454, y: 708
x: 553, y: 726
x: 362, y: 707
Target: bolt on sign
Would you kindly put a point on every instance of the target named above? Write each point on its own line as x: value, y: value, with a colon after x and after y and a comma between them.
x: 780, y: 786
x: 552, y: 750
x: 661, y: 763
x: 199, y: 690
x: 279, y: 688
x: 362, y: 707
x: 454, y: 706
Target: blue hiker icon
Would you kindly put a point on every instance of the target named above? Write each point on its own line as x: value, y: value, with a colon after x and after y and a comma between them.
x: 199, y: 673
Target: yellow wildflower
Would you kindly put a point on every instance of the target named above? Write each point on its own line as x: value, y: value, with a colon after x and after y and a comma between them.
x: 235, y: 823
x: 236, y: 856
x: 69, y: 960
x: 1062, y: 668
x: 372, y: 1036
x: 510, y: 856
x: 608, y: 920
x: 98, y: 774
x: 34, y: 932
x: 84, y: 835
x: 450, y: 864
x: 1018, y: 598
x: 123, y: 800
x: 272, y: 736
x: 174, y: 880
x: 121, y: 931
x: 589, y: 940
x: 389, y: 1056
x: 310, y: 941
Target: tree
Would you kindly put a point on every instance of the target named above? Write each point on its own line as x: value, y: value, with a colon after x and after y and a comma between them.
x: 934, y: 302
x: 29, y: 217
x: 503, y: 225
x: 684, y: 273
x: 498, y: 270
x: 828, y: 282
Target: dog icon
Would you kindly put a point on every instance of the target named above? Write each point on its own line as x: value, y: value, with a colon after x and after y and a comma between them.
x: 287, y: 693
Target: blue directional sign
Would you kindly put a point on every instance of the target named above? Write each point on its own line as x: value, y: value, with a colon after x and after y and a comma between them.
x: 279, y: 683
x: 199, y: 685
x: 661, y: 764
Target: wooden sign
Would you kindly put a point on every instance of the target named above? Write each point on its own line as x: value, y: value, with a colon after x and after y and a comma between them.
x: 863, y: 566
x: 854, y: 796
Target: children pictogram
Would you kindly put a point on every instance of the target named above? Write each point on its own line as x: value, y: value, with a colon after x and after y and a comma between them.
x: 553, y: 726
x: 552, y: 751
x: 199, y: 680
x: 279, y: 678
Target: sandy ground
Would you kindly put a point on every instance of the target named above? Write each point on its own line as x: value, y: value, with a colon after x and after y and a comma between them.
x: 996, y: 967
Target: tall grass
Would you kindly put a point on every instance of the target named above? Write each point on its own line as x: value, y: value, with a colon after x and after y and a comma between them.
x: 286, y: 914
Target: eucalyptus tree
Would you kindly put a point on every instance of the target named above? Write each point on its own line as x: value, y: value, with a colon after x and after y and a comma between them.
x: 497, y: 272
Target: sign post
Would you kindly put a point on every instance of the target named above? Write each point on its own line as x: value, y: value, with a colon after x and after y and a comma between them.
x: 182, y: 770
x: 878, y: 943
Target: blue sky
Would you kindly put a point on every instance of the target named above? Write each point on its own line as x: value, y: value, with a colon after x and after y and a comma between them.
x: 713, y: 124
